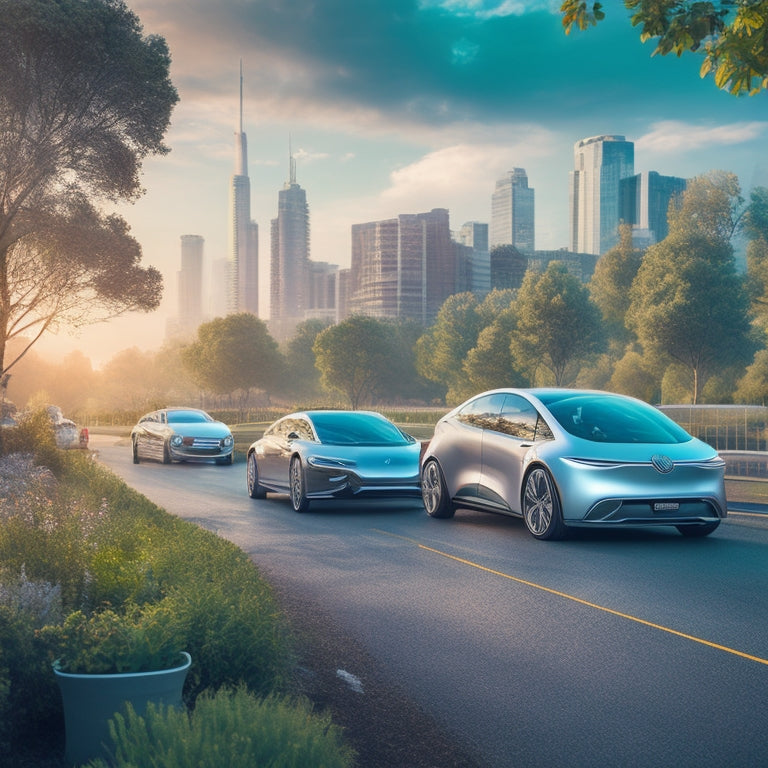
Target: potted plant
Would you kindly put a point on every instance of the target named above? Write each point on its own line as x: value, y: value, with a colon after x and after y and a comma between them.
x: 108, y: 659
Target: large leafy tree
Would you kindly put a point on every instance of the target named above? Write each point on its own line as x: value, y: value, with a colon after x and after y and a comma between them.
x: 85, y: 97
x: 610, y: 284
x: 732, y: 36
x: 688, y: 303
x: 441, y: 350
x: 353, y: 358
x: 233, y: 355
x: 558, y: 325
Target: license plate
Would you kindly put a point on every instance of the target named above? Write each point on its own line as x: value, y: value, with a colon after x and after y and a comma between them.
x: 666, y: 506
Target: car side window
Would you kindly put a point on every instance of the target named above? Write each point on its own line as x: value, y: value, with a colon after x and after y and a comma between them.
x: 517, y: 418
x: 483, y: 412
x: 294, y: 429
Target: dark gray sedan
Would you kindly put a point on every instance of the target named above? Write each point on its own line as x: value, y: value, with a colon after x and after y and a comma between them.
x: 333, y: 454
x: 562, y: 458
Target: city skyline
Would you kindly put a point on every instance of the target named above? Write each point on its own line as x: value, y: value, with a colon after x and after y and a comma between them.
x: 405, y: 107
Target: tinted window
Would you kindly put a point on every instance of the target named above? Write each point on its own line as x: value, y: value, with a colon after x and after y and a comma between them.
x: 187, y: 417
x: 612, y: 419
x: 296, y: 429
x: 483, y: 412
x: 518, y: 418
x: 353, y: 428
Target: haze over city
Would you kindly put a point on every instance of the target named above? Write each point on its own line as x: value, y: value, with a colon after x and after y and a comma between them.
x: 401, y: 106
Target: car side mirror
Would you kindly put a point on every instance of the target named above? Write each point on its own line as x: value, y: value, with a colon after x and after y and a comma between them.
x: 293, y: 435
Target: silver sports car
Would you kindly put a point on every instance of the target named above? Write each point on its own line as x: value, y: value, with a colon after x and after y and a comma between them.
x: 333, y: 454
x: 560, y: 458
x: 181, y: 434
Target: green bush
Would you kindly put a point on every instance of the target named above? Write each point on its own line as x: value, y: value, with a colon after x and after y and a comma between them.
x: 34, y: 434
x: 232, y: 728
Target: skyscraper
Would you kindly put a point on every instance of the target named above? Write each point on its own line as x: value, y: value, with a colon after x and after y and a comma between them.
x: 474, y: 235
x: 600, y: 163
x: 243, y: 265
x: 645, y: 199
x: 402, y: 268
x: 512, y: 212
x: 190, y: 284
x: 289, y: 267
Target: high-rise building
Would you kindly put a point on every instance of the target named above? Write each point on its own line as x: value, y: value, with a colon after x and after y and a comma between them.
x: 645, y: 199
x: 512, y: 212
x: 243, y: 265
x: 402, y: 268
x: 190, y: 278
x: 289, y: 267
x: 600, y: 163
x: 474, y: 235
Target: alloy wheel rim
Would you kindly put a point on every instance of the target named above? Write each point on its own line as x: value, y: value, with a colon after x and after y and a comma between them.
x: 539, y: 506
x: 295, y: 483
x: 251, y: 472
x: 431, y: 488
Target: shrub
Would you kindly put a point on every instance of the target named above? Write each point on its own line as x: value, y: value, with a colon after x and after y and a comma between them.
x: 232, y: 728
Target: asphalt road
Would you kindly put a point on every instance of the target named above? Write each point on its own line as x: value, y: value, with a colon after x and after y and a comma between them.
x: 629, y: 648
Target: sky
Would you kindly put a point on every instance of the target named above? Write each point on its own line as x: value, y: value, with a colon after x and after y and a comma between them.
x: 401, y: 106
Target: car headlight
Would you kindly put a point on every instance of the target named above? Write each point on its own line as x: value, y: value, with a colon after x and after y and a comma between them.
x: 177, y: 440
x: 329, y: 462
x: 228, y: 441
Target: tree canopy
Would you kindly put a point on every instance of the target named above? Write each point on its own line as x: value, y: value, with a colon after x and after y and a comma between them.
x: 688, y: 302
x: 234, y: 354
x: 352, y: 357
x: 731, y: 36
x: 557, y: 324
x: 85, y: 97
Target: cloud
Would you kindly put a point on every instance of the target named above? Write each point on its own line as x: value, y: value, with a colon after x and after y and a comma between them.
x: 672, y: 136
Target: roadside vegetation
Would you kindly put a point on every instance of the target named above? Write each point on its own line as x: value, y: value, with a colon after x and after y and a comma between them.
x: 78, y: 550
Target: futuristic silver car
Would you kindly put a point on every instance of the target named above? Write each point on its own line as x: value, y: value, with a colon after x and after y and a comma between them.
x: 333, y: 454
x: 562, y: 458
x: 181, y: 434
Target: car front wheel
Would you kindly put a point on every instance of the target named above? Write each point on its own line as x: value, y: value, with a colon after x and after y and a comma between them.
x: 434, y: 491
x: 299, y: 498
x: 541, y: 507
x: 135, y: 451
x: 255, y: 491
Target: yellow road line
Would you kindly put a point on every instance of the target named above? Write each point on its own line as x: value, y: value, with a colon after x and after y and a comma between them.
x: 586, y: 603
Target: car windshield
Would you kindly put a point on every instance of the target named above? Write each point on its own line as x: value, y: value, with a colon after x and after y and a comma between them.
x: 187, y: 417
x: 357, y: 429
x: 612, y: 419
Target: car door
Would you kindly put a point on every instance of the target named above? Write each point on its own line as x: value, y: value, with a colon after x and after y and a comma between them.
x: 278, y: 448
x: 505, y: 445
x: 461, y: 452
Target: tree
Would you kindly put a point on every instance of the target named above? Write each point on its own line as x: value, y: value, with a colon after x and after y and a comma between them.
x: 611, y: 281
x: 490, y: 364
x: 85, y: 98
x: 687, y: 302
x: 234, y: 354
x: 441, y: 350
x: 302, y: 377
x: 352, y: 358
x: 731, y: 36
x: 558, y: 325
x: 756, y: 230
x: 753, y: 386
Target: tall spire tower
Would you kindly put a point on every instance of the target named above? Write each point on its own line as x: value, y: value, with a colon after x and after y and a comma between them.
x: 243, y: 262
x: 289, y: 265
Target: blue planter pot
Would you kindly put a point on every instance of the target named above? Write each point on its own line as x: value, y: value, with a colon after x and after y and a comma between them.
x: 91, y: 700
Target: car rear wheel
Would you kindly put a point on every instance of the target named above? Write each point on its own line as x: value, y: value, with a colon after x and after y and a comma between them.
x: 434, y: 492
x: 697, y: 531
x: 299, y: 498
x: 255, y: 491
x: 541, y: 507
